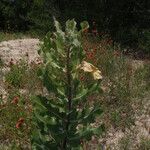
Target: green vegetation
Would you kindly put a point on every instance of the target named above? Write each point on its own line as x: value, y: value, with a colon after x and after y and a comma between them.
x: 4, y: 36
x: 15, y: 76
x: 127, y: 22
x: 9, y: 36
x: 126, y: 143
x: 144, y: 144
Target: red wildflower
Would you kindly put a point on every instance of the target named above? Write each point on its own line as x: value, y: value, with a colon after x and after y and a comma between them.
x: 85, y: 30
x: 82, y: 78
x: 94, y: 22
x: 15, y: 100
x: 19, y: 123
x: 95, y: 32
x: 94, y: 50
x: 90, y: 55
x: 21, y: 120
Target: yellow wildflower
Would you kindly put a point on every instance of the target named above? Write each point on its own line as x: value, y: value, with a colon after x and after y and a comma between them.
x: 88, y: 67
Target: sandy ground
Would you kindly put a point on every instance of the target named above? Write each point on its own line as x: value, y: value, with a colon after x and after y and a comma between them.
x: 19, y: 49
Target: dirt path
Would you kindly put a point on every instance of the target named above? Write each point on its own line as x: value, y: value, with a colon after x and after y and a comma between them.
x: 18, y: 49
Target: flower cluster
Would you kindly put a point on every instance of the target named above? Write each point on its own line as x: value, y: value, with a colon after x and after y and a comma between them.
x: 91, y: 55
x: 88, y: 67
x: 15, y: 100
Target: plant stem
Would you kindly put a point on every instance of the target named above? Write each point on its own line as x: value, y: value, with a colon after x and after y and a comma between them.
x: 69, y: 96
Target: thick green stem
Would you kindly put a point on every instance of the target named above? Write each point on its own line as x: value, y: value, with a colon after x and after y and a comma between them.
x: 69, y: 96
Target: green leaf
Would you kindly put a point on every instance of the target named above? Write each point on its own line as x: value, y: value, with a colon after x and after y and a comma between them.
x: 71, y: 25
x: 47, y: 81
x: 94, y: 87
x: 81, y: 95
x: 60, y: 44
x: 37, y: 101
x: 88, y: 115
x: 85, y: 133
x: 76, y: 42
x: 46, y: 106
x: 40, y: 118
x: 61, y: 91
x: 57, y: 25
x: 84, y: 25
x: 99, y: 130
x: 77, y: 147
x: 59, y: 29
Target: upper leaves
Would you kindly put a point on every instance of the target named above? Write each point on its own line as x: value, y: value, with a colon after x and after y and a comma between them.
x: 84, y: 25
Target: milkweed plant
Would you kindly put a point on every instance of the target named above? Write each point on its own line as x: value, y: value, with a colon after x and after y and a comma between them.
x: 64, y: 119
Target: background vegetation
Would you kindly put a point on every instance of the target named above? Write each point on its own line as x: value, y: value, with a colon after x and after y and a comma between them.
x: 127, y: 21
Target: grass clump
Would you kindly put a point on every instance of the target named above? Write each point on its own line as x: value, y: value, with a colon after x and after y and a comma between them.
x: 15, y: 76
x: 144, y: 144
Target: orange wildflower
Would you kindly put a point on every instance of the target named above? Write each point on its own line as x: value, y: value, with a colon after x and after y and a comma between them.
x: 19, y: 123
x: 15, y: 100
